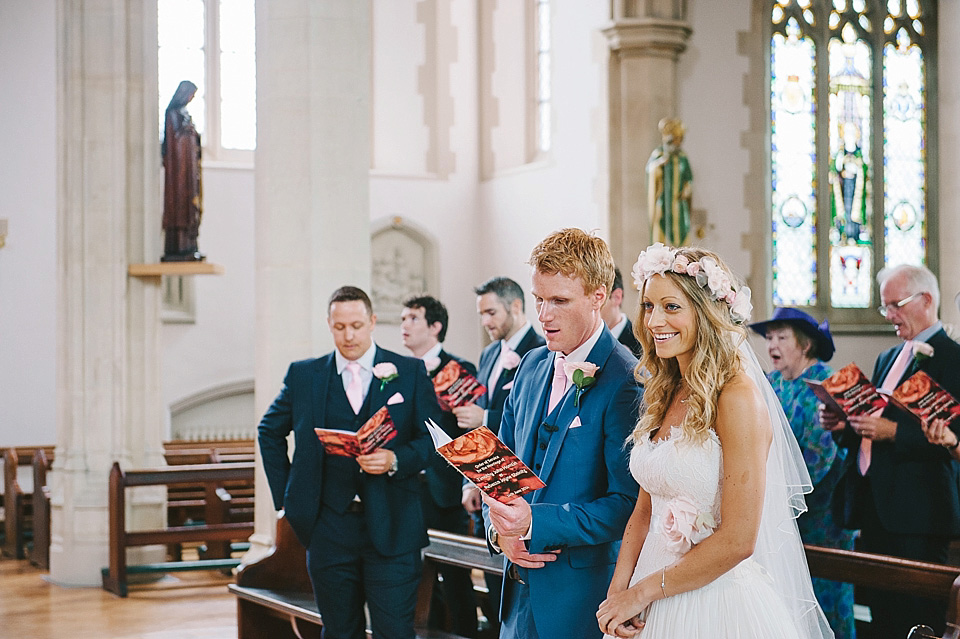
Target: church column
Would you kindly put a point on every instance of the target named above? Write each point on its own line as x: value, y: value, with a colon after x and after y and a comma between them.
x: 645, y: 38
x: 312, y: 185
x: 108, y: 215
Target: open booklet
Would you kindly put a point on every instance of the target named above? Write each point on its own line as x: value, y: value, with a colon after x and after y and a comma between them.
x: 376, y: 432
x: 926, y: 400
x: 848, y: 392
x: 482, y: 458
x: 456, y: 387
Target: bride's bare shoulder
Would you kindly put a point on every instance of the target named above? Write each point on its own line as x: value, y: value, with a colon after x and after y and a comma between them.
x: 740, y: 405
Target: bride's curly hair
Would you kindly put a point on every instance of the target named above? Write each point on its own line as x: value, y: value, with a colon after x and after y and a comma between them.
x: 715, y: 359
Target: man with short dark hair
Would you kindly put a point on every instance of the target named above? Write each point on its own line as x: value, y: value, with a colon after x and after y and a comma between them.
x: 423, y: 327
x: 502, y: 311
x: 616, y: 320
x: 360, y: 519
x: 900, y: 490
x: 560, y: 543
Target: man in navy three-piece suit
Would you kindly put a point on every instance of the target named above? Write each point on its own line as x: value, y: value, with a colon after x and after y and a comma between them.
x: 561, y: 542
x: 360, y: 519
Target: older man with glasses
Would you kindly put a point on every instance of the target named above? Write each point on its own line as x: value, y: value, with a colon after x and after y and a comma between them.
x: 900, y: 489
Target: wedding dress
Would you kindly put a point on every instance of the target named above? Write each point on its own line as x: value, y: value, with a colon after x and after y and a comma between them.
x: 768, y: 595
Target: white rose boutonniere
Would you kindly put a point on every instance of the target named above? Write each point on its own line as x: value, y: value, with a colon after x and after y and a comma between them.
x: 386, y: 372
x: 509, y: 360
x: 922, y: 351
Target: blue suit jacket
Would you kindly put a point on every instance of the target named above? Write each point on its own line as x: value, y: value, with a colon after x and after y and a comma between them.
x: 494, y: 402
x: 393, y: 511
x: 589, y: 491
x: 915, y: 484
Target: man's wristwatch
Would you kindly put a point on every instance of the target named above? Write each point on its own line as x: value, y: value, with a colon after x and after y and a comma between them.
x: 954, y: 447
x: 494, y: 538
x: 395, y: 466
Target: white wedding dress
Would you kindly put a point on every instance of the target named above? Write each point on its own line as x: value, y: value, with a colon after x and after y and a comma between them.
x: 685, y: 476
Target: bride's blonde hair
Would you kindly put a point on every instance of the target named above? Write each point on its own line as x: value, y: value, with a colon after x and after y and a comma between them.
x: 715, y: 359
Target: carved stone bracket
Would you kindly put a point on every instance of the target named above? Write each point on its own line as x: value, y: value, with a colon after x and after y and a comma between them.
x: 648, y: 36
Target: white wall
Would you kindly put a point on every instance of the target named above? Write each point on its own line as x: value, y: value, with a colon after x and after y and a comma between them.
x: 28, y: 199
x: 218, y: 348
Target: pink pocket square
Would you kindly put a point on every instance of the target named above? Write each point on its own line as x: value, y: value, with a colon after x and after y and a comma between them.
x: 396, y: 399
x: 508, y: 385
x: 576, y: 422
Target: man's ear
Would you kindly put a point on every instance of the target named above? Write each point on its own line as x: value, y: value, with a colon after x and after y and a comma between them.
x: 599, y: 296
x: 616, y: 297
x: 435, y: 328
x: 516, y: 307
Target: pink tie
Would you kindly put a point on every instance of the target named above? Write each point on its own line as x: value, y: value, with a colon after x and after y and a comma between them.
x: 355, y: 388
x: 889, y: 383
x: 559, y: 386
x: 495, y: 377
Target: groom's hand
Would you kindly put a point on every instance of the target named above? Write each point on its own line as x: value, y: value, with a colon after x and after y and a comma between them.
x: 516, y: 551
x: 510, y: 520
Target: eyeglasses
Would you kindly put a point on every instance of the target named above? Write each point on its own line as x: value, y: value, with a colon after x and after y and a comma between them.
x: 886, y: 309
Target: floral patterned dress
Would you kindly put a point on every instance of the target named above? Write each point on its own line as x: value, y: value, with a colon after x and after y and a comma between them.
x: 825, y: 462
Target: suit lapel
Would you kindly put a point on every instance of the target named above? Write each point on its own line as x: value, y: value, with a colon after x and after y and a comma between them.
x: 375, y: 395
x: 326, y: 370
x: 598, y: 355
x: 540, y: 386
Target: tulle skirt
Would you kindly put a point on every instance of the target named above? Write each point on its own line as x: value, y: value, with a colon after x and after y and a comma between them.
x: 741, y: 604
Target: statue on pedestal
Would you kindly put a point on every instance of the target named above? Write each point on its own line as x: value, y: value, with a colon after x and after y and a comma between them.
x: 182, y: 185
x: 669, y: 187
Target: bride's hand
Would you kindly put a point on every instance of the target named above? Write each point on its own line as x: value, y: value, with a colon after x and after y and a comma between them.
x: 619, y: 613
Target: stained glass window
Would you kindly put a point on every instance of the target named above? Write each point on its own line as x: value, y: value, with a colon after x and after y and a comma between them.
x: 849, y: 194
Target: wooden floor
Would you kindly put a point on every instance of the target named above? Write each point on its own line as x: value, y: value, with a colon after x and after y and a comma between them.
x: 182, y: 606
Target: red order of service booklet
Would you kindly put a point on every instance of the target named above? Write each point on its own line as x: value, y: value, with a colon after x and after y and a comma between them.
x: 927, y: 400
x: 482, y: 458
x: 848, y: 392
x: 456, y: 387
x: 376, y: 432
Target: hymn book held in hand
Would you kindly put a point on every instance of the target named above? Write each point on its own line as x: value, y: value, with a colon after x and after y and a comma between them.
x: 376, y: 432
x: 482, y: 458
x: 456, y: 387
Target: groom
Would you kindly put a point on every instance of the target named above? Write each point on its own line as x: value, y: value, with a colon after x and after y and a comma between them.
x: 561, y: 542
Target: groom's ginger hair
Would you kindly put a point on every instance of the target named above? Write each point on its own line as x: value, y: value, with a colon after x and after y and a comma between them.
x: 575, y: 253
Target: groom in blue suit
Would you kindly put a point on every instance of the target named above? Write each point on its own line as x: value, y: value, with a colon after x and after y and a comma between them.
x: 360, y: 519
x: 561, y: 542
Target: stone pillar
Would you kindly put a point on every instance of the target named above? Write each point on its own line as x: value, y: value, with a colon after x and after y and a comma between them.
x: 312, y: 186
x: 646, y: 38
x: 108, y: 215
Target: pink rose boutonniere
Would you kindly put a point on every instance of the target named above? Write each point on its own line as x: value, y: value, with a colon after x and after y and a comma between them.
x: 684, y: 525
x: 386, y: 373
x: 583, y: 375
x: 509, y: 360
x: 922, y: 351
x: 432, y: 364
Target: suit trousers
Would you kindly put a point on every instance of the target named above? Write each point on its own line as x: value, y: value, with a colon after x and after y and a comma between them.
x: 347, y: 571
x: 894, y: 614
x: 517, y: 621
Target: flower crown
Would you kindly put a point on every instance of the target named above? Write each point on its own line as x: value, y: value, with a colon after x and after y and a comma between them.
x: 658, y: 259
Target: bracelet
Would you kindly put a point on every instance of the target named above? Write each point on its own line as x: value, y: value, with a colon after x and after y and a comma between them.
x: 663, y: 581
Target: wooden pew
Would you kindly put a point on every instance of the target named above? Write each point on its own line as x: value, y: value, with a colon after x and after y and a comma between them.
x: 935, y: 581
x: 40, y: 552
x: 18, y: 502
x: 275, y: 598
x: 215, y: 528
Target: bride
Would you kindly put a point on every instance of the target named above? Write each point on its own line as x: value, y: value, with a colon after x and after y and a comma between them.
x: 711, y: 549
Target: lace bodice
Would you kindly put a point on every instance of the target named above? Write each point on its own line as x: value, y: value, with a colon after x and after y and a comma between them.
x: 682, y: 477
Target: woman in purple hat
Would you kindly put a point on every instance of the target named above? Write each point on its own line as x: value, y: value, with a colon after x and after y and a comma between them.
x: 798, y: 348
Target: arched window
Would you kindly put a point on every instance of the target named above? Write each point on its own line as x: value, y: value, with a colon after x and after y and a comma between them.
x: 852, y: 114
x: 212, y: 43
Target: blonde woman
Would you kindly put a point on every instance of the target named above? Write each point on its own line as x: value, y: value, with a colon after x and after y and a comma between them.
x: 711, y: 549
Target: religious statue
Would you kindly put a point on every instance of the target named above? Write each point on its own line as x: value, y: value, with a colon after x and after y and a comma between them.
x: 669, y: 187
x: 182, y: 185
x: 848, y: 177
